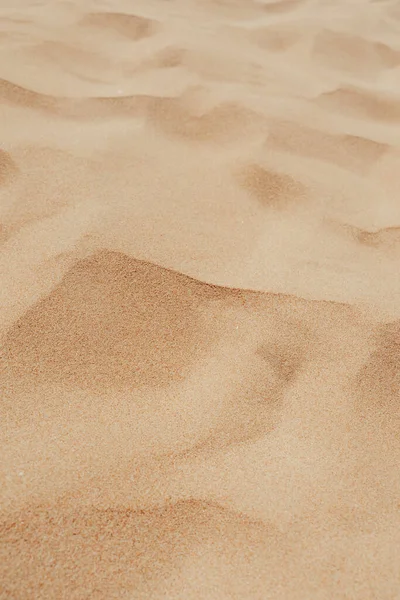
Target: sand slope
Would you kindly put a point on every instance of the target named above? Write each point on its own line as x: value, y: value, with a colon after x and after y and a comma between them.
x: 200, y: 300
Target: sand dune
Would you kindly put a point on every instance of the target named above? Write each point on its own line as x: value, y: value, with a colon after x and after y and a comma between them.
x: 200, y: 300
x: 359, y: 102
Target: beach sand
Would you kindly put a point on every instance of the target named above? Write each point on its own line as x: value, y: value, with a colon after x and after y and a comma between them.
x: 199, y: 300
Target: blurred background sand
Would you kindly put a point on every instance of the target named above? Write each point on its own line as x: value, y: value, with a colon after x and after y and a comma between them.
x: 200, y: 299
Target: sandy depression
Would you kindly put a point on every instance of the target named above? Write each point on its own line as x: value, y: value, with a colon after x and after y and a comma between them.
x: 200, y: 300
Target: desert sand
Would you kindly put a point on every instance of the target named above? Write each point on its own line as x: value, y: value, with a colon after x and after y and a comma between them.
x: 200, y: 300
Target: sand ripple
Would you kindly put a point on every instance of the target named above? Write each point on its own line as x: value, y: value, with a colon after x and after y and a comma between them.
x: 200, y: 300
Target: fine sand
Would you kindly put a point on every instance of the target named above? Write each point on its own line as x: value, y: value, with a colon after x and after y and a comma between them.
x: 200, y: 300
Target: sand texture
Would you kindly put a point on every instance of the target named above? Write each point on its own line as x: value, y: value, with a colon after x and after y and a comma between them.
x: 200, y: 300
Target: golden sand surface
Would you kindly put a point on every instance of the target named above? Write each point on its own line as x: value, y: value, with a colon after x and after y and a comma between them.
x: 200, y: 300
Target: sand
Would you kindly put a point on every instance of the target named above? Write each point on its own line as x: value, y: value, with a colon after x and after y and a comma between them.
x: 200, y: 300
